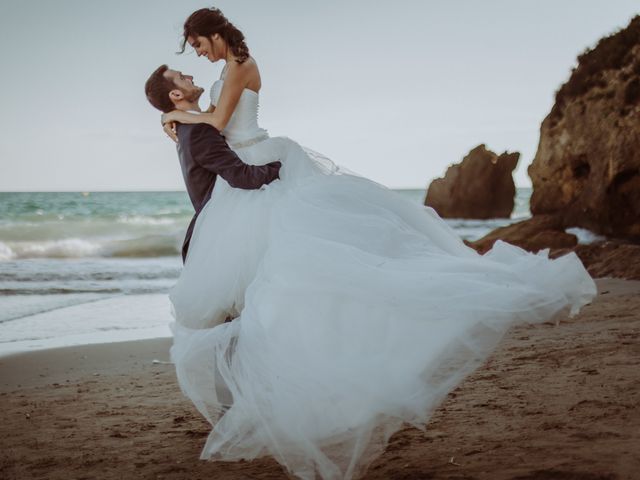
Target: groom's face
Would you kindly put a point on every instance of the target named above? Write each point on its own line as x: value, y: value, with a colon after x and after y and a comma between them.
x: 185, y: 89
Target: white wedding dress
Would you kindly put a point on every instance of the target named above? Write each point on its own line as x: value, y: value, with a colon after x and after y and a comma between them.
x: 357, y: 310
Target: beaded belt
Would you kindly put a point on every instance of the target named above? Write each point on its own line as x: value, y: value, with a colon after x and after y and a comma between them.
x: 251, y: 141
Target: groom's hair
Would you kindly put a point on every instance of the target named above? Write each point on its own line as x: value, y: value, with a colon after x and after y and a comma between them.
x: 157, y: 90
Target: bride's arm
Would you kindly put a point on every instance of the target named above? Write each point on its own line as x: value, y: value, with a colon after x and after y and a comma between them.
x: 170, y: 127
x: 235, y: 82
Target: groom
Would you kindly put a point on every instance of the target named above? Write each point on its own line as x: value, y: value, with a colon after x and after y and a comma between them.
x: 204, y: 154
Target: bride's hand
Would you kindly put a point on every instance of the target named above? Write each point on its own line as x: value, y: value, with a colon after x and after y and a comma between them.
x: 170, y: 117
x: 170, y: 130
x: 169, y: 126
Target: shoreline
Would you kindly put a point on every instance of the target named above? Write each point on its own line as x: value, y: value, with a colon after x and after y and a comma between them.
x: 107, y: 319
x: 552, y: 401
x: 25, y: 347
x: 69, y: 363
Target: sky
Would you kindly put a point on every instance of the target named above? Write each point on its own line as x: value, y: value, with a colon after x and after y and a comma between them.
x: 393, y: 91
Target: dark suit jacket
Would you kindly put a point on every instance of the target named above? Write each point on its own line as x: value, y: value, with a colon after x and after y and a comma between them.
x: 204, y: 154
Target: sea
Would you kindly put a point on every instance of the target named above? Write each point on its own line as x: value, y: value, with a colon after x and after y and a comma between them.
x: 95, y: 267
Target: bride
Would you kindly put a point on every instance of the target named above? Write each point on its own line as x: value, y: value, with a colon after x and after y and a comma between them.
x: 356, y: 311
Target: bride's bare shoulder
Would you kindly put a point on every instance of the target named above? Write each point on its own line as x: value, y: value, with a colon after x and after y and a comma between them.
x: 248, y: 66
x: 246, y: 72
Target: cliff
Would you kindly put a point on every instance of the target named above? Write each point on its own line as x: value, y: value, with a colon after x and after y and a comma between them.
x: 587, y: 166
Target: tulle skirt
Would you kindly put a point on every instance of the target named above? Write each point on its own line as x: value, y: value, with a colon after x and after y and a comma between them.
x: 357, y: 311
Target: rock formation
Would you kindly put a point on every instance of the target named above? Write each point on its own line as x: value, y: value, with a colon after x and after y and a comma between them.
x: 586, y: 172
x: 587, y: 167
x: 533, y: 234
x: 479, y: 187
x: 609, y: 258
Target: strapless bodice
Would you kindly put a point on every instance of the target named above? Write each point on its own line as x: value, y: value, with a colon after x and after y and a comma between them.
x: 243, y: 125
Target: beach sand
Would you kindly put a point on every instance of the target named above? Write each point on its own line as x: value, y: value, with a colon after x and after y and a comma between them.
x: 552, y: 402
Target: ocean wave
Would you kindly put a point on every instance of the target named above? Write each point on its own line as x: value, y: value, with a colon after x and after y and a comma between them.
x: 79, y: 290
x: 56, y: 291
x: 585, y: 237
x: 145, y: 246
x: 47, y: 275
x: 149, y: 246
x: 147, y: 220
x: 473, y: 229
x: 121, y: 226
x: 67, y: 248
x: 5, y: 252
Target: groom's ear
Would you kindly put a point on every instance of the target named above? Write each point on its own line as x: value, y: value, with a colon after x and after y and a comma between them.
x: 176, y: 95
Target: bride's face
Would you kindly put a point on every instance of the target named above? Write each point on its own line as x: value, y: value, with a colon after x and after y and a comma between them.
x: 210, y: 47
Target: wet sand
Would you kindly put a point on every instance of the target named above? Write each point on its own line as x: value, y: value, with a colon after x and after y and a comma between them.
x: 552, y: 402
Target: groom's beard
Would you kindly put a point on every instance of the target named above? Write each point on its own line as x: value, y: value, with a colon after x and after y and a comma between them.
x: 192, y: 96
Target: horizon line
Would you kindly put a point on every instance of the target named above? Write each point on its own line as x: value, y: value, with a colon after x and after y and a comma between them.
x: 172, y: 190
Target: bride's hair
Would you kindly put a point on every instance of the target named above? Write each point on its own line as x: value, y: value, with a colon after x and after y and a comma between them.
x: 209, y: 21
